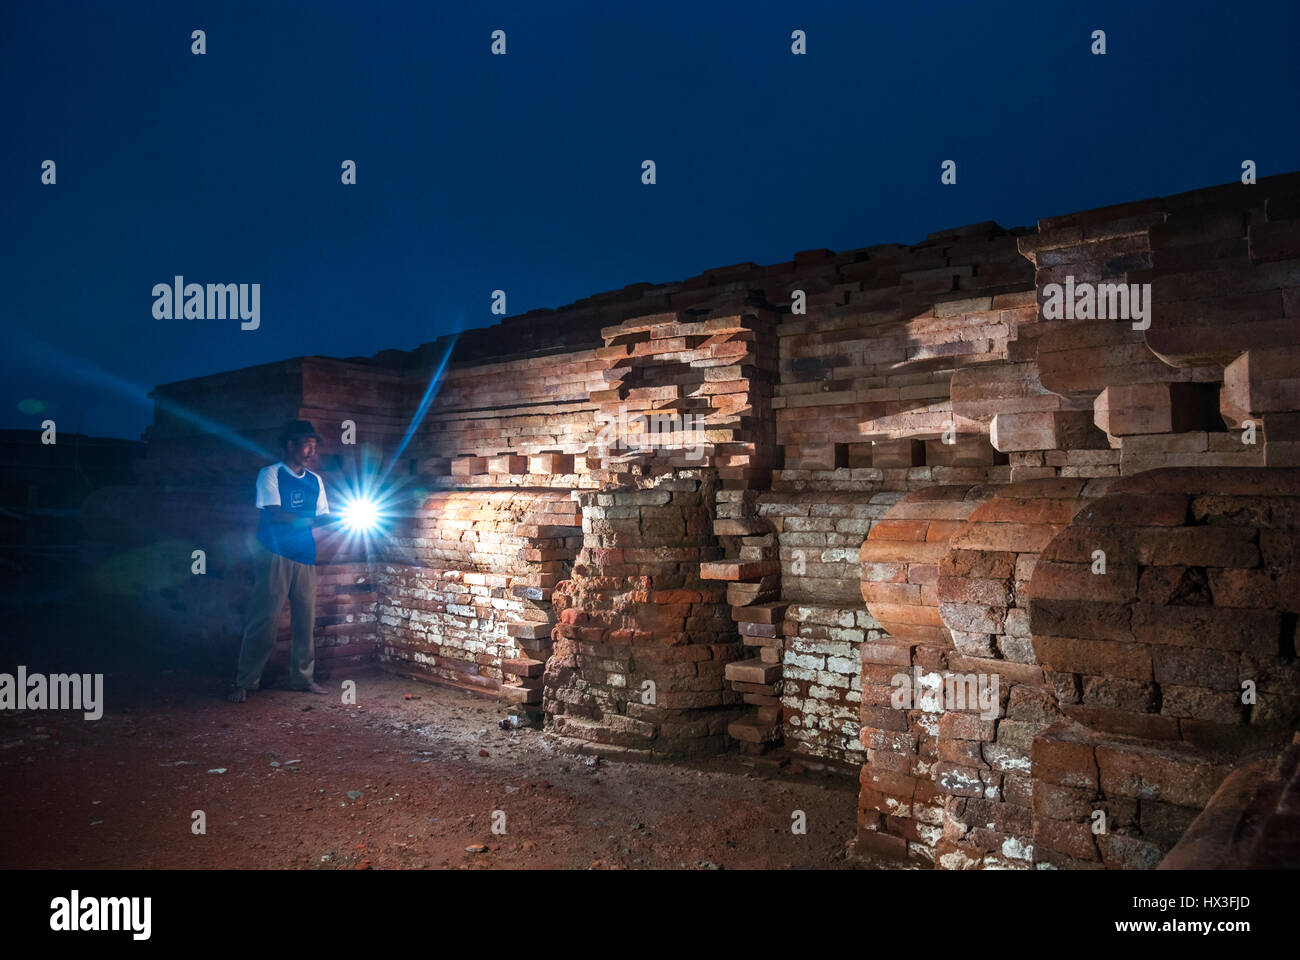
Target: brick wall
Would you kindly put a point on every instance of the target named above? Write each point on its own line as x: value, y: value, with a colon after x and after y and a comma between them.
x: 894, y: 438
x: 477, y: 564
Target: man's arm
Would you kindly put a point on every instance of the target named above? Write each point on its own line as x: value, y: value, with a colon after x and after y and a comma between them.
x: 323, y: 515
x: 297, y: 521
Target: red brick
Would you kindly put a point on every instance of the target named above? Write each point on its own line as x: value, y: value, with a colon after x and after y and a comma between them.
x: 1154, y: 775
x: 1068, y: 763
x: 958, y: 780
x: 1126, y: 723
x: 966, y: 726
x: 1209, y: 546
x: 899, y: 529
x: 1072, y: 839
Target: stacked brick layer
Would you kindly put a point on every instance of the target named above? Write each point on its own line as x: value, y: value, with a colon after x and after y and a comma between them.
x: 471, y: 595
x: 643, y: 642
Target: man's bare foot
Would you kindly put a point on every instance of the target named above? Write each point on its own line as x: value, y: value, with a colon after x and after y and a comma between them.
x: 314, y: 688
x: 237, y: 695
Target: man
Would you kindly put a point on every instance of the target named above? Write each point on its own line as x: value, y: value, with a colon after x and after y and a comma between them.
x: 291, y: 500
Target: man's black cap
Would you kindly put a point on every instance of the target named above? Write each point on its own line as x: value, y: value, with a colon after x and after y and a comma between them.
x: 295, y: 429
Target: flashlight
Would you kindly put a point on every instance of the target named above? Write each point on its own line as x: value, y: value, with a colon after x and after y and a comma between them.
x: 360, y: 515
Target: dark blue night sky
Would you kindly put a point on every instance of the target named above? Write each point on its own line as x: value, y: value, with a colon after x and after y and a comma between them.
x: 522, y: 172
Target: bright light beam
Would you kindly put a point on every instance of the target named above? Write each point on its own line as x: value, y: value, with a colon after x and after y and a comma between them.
x: 77, y: 369
x: 360, y: 515
x: 430, y: 392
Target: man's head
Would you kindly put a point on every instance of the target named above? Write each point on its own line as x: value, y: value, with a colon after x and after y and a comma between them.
x: 298, y: 442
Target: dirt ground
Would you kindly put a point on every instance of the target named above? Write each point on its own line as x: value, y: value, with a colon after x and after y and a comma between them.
x: 300, y: 781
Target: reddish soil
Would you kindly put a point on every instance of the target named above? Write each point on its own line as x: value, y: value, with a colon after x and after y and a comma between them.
x: 391, y: 783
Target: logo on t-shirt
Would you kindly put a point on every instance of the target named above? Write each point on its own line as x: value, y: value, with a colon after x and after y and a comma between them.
x: 296, y: 499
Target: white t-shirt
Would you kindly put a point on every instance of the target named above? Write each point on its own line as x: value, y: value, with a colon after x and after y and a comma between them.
x: 268, y: 487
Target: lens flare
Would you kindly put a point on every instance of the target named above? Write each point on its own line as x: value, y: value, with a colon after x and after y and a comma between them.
x: 360, y: 515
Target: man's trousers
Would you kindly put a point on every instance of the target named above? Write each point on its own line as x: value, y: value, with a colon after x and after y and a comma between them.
x: 275, y: 578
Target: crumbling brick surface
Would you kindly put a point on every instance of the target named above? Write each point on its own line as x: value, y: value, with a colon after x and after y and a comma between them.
x: 643, y: 641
